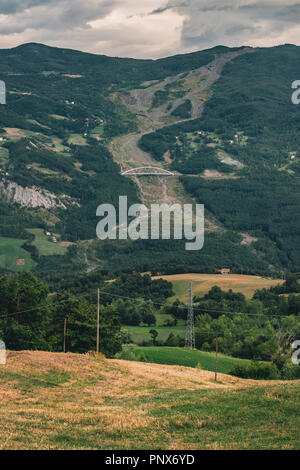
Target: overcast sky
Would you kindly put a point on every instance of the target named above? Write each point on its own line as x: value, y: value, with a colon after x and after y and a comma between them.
x: 148, y: 28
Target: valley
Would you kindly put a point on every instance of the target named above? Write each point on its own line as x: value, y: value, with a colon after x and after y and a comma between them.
x: 199, y: 115
x: 154, y: 113
x: 149, y: 228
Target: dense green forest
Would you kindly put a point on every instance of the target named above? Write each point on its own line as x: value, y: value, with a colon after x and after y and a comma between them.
x: 262, y: 328
x: 59, y: 105
x: 251, y: 117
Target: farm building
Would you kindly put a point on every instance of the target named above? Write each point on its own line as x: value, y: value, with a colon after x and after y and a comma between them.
x: 225, y: 271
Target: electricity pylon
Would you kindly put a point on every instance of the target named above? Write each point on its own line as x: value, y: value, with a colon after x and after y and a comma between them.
x: 190, y: 332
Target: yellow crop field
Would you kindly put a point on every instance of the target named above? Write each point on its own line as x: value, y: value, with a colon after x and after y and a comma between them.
x: 202, y: 283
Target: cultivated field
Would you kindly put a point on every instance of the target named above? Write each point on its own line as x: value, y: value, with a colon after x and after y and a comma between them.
x: 202, y: 283
x: 139, y: 334
x: 189, y: 358
x: 44, y: 246
x: 71, y: 401
x: 13, y: 257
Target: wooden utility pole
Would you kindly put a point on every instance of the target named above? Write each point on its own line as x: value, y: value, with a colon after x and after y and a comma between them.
x: 65, y: 333
x: 98, y: 321
x: 101, y: 333
x: 216, y: 370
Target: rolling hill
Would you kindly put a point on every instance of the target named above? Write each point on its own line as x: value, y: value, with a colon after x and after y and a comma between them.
x: 202, y: 283
x: 187, y: 358
x: 72, y: 401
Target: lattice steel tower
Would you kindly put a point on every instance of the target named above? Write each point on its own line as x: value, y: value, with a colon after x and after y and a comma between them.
x: 190, y: 332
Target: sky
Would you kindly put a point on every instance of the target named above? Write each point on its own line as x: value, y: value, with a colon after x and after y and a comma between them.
x: 148, y: 28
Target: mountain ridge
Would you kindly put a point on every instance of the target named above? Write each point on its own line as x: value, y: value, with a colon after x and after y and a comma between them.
x: 70, y: 122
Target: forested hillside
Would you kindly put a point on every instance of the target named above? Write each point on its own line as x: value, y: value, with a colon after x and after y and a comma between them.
x: 221, y: 119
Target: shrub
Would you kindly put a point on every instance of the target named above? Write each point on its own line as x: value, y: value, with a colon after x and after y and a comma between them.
x: 126, y: 337
x: 256, y: 370
x: 240, y: 370
x: 126, y: 354
x: 183, y: 110
x: 142, y: 357
x: 174, y: 340
x: 290, y: 371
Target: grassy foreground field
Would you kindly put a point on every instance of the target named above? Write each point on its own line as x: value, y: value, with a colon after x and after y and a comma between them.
x: 202, y: 283
x: 189, y: 358
x: 71, y: 401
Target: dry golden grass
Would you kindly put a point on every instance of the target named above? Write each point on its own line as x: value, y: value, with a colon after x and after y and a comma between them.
x: 186, y: 377
x: 217, y: 175
x: 14, y: 133
x: 72, y: 401
x: 202, y: 283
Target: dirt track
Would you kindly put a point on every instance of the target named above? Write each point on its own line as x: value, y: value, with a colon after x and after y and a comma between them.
x: 125, y: 149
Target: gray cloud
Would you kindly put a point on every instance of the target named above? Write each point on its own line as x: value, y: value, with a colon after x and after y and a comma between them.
x: 153, y: 28
x: 8, y: 7
x: 53, y: 15
x: 236, y: 22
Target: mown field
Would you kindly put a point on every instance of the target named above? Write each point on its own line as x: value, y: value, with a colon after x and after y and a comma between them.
x: 72, y: 401
x: 202, y: 283
x: 11, y: 252
x: 139, y: 334
x: 44, y: 246
x: 188, y: 358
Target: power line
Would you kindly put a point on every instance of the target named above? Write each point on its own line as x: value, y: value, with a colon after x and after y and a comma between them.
x: 181, y: 307
x: 200, y: 309
x: 21, y: 312
x: 8, y: 315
